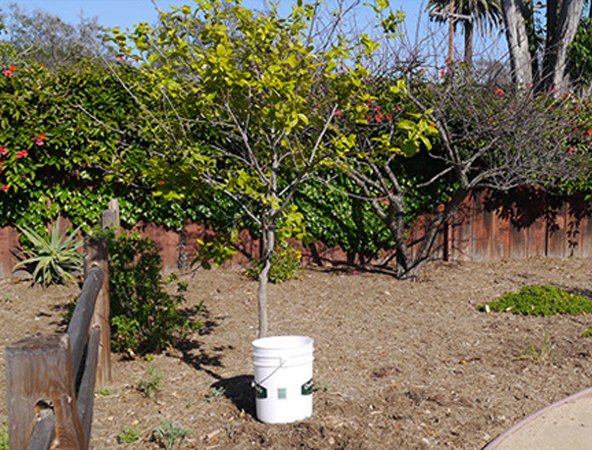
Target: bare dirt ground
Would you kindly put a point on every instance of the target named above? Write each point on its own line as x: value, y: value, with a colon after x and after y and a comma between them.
x: 398, y: 365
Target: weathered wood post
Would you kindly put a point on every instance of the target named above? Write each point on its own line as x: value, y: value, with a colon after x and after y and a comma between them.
x: 110, y: 217
x: 40, y: 376
x: 97, y: 255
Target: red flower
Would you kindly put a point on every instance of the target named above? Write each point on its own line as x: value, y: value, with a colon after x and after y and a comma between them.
x: 550, y: 108
x: 398, y: 108
x: 369, y: 118
x: 369, y: 102
x: 13, y: 68
x: 389, y: 116
x: 3, y: 150
x: 4, y: 188
x: 379, y: 117
x: 377, y: 108
x: 22, y: 154
x: 587, y: 133
x: 7, y: 72
x: 571, y: 151
x: 338, y: 114
x: 443, y: 72
x: 41, y: 136
x: 161, y: 183
x: 499, y: 92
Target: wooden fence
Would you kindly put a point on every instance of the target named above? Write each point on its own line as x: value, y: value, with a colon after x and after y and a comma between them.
x: 487, y: 227
x: 51, y: 379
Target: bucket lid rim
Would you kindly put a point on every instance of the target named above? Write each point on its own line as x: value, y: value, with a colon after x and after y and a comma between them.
x: 299, y: 341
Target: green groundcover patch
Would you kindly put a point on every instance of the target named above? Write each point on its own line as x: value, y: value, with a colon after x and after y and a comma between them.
x: 540, y: 301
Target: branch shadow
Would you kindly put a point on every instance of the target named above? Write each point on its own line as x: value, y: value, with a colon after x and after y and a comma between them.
x: 240, y: 391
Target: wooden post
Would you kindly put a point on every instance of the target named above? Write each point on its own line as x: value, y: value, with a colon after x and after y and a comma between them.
x: 97, y: 256
x: 39, y: 376
x: 110, y: 217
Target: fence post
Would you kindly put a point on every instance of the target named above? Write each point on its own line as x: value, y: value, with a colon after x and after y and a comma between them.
x: 97, y: 256
x: 110, y: 216
x: 39, y: 375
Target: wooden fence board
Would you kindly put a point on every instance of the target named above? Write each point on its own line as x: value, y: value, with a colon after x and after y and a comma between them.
x: 39, y: 368
x: 557, y: 236
x: 536, y: 235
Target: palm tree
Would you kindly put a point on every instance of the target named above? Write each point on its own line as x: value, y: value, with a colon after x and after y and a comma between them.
x: 484, y: 14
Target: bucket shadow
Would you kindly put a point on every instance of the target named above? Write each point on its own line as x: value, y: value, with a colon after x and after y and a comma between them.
x: 239, y: 390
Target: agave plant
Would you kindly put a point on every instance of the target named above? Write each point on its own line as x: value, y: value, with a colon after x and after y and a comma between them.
x: 52, y: 258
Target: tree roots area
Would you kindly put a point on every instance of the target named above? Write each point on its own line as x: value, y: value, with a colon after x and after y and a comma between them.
x: 398, y: 364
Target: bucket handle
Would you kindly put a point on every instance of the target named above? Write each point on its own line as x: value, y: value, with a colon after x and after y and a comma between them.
x: 282, y: 362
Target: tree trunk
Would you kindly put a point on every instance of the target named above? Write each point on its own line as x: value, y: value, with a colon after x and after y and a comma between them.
x: 267, y: 246
x: 563, y: 18
x: 468, y: 25
x: 517, y: 36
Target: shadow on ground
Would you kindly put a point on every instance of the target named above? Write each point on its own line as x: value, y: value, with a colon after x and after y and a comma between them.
x: 239, y: 390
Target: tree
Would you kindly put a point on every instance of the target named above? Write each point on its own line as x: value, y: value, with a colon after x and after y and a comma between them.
x: 484, y: 14
x: 562, y: 19
x: 487, y: 138
x: 48, y: 40
x: 248, y: 107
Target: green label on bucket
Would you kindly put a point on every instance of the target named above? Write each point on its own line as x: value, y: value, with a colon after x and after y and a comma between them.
x: 307, y: 388
x: 260, y: 391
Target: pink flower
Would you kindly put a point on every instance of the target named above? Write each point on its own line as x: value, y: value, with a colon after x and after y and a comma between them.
x: 571, y: 151
x: 377, y: 108
x: 3, y: 150
x: 398, y: 108
x: 550, y: 108
x: 7, y: 73
x: 4, y: 188
x: 22, y: 154
x: 338, y: 114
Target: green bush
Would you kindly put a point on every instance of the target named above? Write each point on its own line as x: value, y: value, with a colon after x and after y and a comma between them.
x: 52, y: 258
x: 145, y: 317
x: 129, y: 435
x: 4, y: 436
x: 170, y: 436
x: 540, y: 301
x: 149, y: 386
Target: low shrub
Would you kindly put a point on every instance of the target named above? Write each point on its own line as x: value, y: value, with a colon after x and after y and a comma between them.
x: 145, y: 317
x: 129, y: 435
x: 150, y: 385
x: 53, y: 257
x: 170, y: 436
x: 4, y: 436
x: 540, y: 300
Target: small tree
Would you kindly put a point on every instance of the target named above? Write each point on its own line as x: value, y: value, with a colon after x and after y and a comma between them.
x: 247, y: 107
x: 487, y: 138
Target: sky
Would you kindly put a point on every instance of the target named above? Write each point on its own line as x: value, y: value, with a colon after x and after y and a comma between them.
x: 125, y: 13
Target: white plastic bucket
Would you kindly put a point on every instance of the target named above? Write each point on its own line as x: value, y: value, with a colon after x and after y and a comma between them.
x: 283, y: 378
